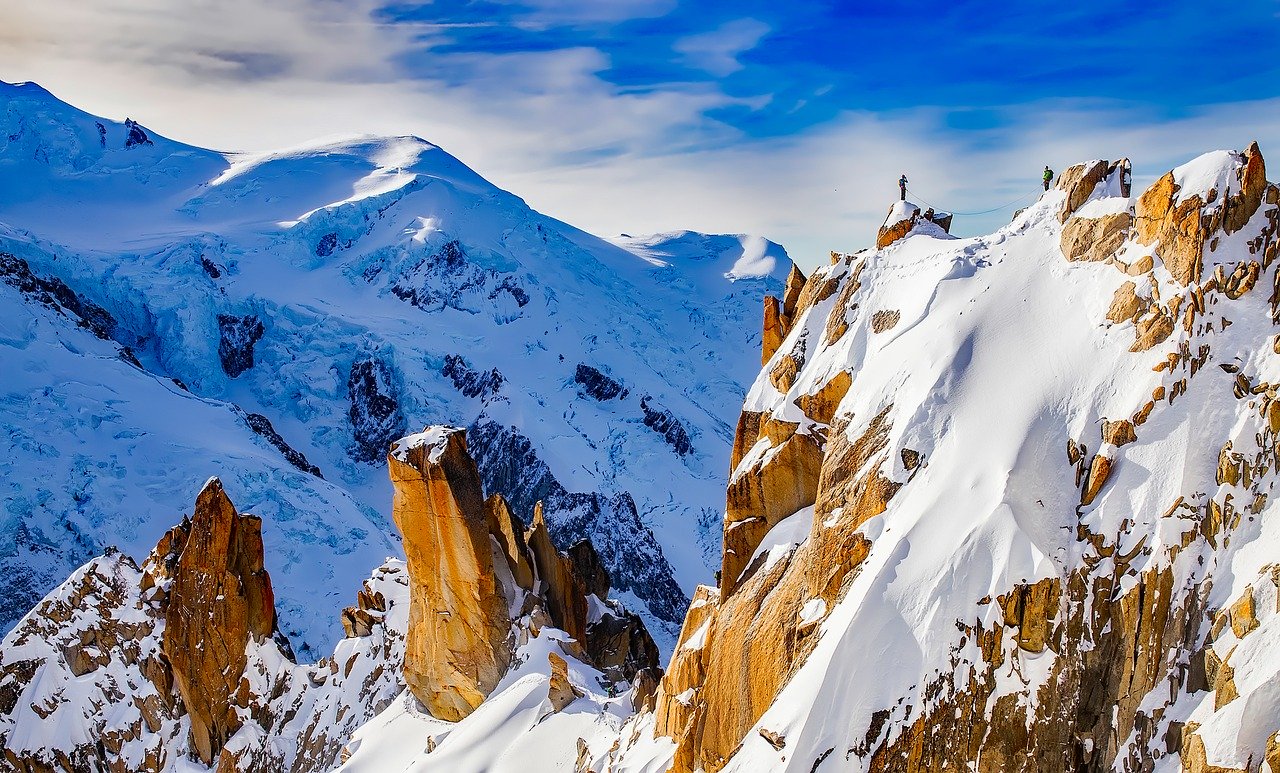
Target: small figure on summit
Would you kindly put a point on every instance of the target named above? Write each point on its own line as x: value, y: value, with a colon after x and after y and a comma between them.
x: 902, y: 187
x: 1048, y: 176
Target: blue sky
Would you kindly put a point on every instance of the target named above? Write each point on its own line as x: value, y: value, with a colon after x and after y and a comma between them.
x: 788, y: 119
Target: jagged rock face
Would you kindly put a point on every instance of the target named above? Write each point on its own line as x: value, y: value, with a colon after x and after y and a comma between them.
x: 1078, y: 182
x: 472, y: 567
x: 1183, y: 226
x: 597, y: 385
x: 905, y: 218
x: 459, y: 624
x: 627, y: 548
x: 1095, y: 238
x: 375, y: 414
x: 236, y: 339
x: 781, y: 477
x: 182, y: 653
x: 219, y: 599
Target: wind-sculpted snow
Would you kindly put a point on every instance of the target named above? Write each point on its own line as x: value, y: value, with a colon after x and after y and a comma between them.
x: 347, y: 294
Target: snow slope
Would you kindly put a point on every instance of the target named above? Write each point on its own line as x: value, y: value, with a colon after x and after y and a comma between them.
x: 998, y: 359
x: 163, y: 305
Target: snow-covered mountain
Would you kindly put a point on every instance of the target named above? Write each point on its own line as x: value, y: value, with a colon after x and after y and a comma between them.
x: 1002, y: 503
x: 170, y: 313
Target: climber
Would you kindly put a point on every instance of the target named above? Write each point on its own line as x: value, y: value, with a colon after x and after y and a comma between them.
x: 902, y: 187
x: 1126, y: 178
x: 1048, y: 177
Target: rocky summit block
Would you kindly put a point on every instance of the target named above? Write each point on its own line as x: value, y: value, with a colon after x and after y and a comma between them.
x: 459, y: 622
x: 219, y: 598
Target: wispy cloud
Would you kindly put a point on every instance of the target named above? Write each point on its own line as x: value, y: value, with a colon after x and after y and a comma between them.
x: 717, y: 51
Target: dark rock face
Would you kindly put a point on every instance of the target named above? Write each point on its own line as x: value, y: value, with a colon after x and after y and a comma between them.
x: 619, y: 645
x: 53, y: 293
x: 447, y: 279
x: 374, y: 413
x: 236, y: 339
x: 102, y: 133
x: 135, y: 136
x: 262, y: 425
x: 627, y: 549
x: 210, y: 267
x: 666, y: 424
x: 597, y: 385
x: 470, y: 382
x: 329, y: 244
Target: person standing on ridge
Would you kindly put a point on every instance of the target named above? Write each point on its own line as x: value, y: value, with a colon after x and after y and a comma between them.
x: 1048, y: 176
x: 902, y: 187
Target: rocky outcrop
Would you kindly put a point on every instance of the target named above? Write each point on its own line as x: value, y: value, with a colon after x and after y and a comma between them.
x: 778, y: 477
x: 1182, y: 224
x: 134, y: 134
x: 1108, y: 656
x: 219, y: 600
x: 236, y: 339
x: 905, y: 218
x: 597, y: 385
x: 1095, y: 238
x: 472, y: 570
x: 1078, y: 182
x: 53, y: 293
x: 261, y: 425
x: 469, y: 381
x: 780, y: 316
x: 374, y: 410
x: 628, y: 549
x: 459, y: 622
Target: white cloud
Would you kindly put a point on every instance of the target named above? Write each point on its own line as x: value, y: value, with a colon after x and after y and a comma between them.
x: 238, y: 76
x: 717, y: 51
x: 578, y: 13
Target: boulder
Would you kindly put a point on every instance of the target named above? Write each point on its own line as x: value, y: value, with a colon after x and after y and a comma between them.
x: 1095, y: 238
x: 560, y: 691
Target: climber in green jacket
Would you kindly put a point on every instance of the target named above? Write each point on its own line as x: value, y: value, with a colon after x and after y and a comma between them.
x: 1048, y: 177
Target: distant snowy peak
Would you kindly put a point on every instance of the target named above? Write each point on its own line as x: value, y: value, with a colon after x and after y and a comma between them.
x: 748, y: 257
x: 306, y: 307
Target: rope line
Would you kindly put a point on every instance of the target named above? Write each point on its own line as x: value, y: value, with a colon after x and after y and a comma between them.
x: 1013, y: 203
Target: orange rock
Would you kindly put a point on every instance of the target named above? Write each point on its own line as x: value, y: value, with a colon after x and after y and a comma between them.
x: 1079, y: 181
x: 1094, y: 238
x: 1176, y: 226
x: 220, y: 597
x: 457, y: 645
x: 565, y: 593
x: 1099, y: 471
x: 1125, y: 304
x: 821, y: 405
x: 773, y: 333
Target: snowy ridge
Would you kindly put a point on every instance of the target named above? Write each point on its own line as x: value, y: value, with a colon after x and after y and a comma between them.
x: 996, y: 371
x: 278, y: 319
